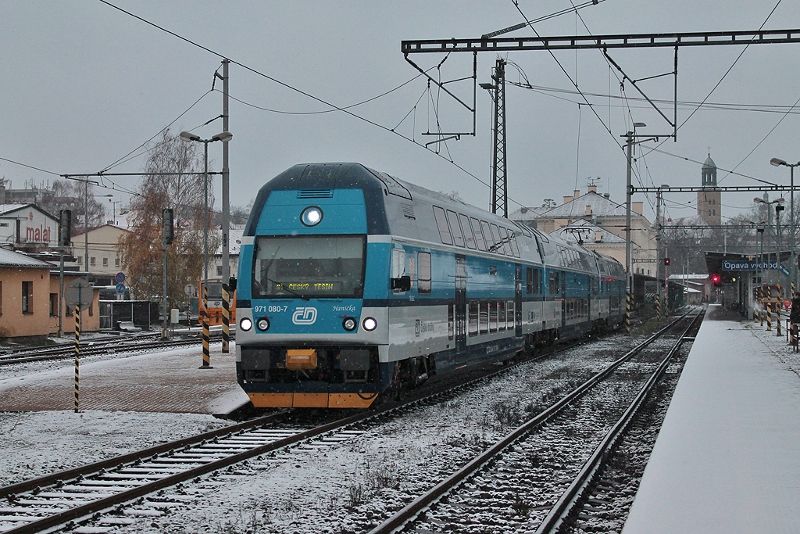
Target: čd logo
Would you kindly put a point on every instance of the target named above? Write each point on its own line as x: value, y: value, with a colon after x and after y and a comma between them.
x: 304, y: 315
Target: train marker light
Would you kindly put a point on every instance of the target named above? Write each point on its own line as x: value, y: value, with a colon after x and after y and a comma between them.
x: 263, y: 324
x: 245, y: 324
x: 716, y: 279
x: 349, y: 324
x: 311, y: 216
x: 666, y: 261
x: 369, y: 324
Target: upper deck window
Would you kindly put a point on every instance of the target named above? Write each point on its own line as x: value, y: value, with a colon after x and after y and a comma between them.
x: 441, y: 223
x: 458, y: 238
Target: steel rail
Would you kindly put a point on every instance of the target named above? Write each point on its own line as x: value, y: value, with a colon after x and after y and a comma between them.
x: 83, y: 470
x: 102, y: 504
x: 565, y: 505
x: 66, y: 352
x: 408, y: 513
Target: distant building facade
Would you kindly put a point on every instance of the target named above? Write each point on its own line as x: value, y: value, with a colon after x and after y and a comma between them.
x: 599, y: 223
x: 25, y: 226
x: 709, y: 201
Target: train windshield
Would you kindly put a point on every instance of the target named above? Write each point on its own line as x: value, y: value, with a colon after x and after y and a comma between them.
x: 309, y: 266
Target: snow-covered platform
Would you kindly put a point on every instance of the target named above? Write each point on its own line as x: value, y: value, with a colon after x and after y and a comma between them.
x: 727, y: 459
x: 155, y: 381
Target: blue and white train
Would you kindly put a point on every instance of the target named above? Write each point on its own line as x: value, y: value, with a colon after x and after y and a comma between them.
x: 353, y: 284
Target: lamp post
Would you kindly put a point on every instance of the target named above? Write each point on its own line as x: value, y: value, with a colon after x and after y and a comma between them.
x: 760, y: 230
x: 768, y: 204
x: 223, y: 137
x: 114, y: 210
x: 777, y: 162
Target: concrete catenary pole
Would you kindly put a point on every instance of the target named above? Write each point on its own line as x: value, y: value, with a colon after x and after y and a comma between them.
x: 226, y: 216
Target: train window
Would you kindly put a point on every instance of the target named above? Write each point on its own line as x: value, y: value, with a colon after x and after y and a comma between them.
x: 441, y: 223
x: 501, y: 315
x: 473, y: 318
x: 450, y: 322
x: 537, y: 281
x: 327, y: 266
x: 510, y: 314
x: 507, y: 235
x: 424, y: 266
x: 529, y: 280
x: 498, y: 240
x: 455, y: 229
x: 476, y: 229
x: 469, y: 239
x: 487, y: 235
x: 398, y: 262
x: 514, y: 245
x: 492, y: 317
x: 553, y: 285
x: 483, y: 319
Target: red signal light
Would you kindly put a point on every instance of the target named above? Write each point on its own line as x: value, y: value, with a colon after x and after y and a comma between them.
x: 716, y: 279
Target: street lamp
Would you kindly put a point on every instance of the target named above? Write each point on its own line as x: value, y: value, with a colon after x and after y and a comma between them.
x: 114, y: 209
x: 223, y: 137
x: 768, y: 203
x: 777, y: 162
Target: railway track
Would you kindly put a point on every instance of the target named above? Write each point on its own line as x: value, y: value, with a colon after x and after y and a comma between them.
x: 513, y: 484
x: 113, y: 345
x: 98, y: 493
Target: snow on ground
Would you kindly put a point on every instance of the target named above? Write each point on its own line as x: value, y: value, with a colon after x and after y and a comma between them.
x: 727, y: 459
x: 39, y: 443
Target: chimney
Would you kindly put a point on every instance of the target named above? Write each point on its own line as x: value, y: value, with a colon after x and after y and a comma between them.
x: 567, y: 199
x: 576, y: 193
x: 638, y: 207
x: 598, y: 237
x: 593, y: 188
x: 607, y: 195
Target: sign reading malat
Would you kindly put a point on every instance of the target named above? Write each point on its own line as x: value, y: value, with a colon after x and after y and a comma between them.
x: 728, y: 265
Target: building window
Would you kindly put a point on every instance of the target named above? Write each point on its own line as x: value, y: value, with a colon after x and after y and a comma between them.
x: 219, y: 270
x: 80, y: 260
x: 92, y: 261
x: 53, y: 304
x: 27, y: 297
x: 105, y: 262
x: 116, y: 261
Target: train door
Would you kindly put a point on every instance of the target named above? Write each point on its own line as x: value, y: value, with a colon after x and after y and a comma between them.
x: 461, y: 303
x: 518, y: 301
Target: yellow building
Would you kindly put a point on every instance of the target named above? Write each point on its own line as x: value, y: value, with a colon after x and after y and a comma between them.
x: 29, y: 303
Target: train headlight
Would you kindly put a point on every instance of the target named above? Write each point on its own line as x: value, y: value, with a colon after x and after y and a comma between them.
x: 349, y: 324
x: 369, y: 324
x: 245, y: 324
x: 263, y: 324
x: 311, y: 216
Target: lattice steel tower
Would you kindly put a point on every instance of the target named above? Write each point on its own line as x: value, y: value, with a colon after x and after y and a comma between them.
x: 499, y: 184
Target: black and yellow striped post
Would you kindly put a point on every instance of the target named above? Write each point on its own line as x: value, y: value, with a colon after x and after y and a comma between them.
x: 658, y: 306
x: 769, y: 309
x: 226, y: 318
x: 778, y: 308
x: 628, y: 306
x: 76, y: 314
x: 205, y: 334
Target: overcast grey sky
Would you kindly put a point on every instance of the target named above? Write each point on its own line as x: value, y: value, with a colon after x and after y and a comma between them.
x: 84, y: 84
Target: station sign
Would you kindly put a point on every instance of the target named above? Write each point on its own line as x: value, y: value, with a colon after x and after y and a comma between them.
x: 728, y: 265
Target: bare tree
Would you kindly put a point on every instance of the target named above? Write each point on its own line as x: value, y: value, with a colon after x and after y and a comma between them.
x: 141, y: 249
x: 70, y: 195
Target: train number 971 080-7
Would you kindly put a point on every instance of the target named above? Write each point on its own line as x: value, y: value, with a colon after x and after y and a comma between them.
x: 272, y: 308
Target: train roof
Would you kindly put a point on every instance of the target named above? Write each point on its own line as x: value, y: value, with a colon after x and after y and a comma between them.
x: 407, y: 210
